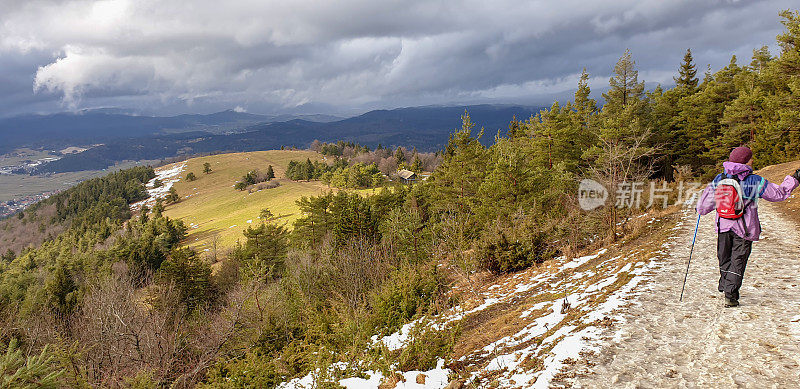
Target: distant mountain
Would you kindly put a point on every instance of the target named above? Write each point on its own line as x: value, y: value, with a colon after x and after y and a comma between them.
x: 56, y: 131
x: 426, y: 128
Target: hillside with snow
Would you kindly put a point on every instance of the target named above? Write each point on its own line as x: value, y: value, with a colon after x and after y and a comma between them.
x: 531, y: 329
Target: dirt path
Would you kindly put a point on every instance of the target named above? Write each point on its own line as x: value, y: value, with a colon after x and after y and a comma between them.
x: 660, y: 342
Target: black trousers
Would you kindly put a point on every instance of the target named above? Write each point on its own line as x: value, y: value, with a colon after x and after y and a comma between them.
x: 732, y: 252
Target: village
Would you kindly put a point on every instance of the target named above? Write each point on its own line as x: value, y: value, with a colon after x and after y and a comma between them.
x: 10, y: 207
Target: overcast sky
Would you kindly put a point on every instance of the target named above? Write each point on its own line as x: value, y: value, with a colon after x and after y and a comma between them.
x: 176, y: 56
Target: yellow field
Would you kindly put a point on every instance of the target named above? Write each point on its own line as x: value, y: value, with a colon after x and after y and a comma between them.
x: 214, y: 210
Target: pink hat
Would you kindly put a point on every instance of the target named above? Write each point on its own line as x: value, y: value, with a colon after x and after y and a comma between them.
x: 741, y: 154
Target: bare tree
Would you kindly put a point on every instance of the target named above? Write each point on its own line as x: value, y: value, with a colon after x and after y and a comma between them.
x: 622, y: 163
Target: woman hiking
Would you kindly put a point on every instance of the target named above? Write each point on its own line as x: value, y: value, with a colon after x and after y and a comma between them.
x: 734, y: 195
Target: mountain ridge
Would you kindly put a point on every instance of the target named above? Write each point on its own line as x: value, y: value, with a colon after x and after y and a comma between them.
x: 426, y: 128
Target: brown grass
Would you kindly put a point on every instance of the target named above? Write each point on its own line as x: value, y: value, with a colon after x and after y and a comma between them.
x: 776, y: 173
x: 504, y: 319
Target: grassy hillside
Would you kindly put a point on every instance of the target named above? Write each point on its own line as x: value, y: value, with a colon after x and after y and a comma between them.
x: 214, y: 210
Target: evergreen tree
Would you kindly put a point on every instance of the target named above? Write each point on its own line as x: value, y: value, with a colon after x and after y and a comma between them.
x: 308, y: 170
x: 32, y: 372
x: 623, y: 153
x: 399, y: 155
x: 270, y: 173
x: 516, y: 128
x: 190, y: 275
x: 206, y: 168
x: 585, y: 106
x: 316, y: 219
x: 789, y: 41
x: 625, y: 88
x: 462, y: 171
x: 264, y: 251
x: 63, y: 290
x: 172, y: 196
x: 9, y: 256
x: 687, y: 74
x: 417, y: 165
x: 191, y: 177
x: 353, y: 219
x: 158, y: 208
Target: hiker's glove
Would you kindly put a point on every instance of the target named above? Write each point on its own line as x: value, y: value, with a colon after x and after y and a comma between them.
x: 796, y: 175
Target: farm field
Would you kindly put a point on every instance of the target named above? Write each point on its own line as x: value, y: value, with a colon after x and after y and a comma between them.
x: 16, y: 186
x: 215, y: 212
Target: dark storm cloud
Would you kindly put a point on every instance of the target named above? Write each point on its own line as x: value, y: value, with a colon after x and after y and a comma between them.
x: 279, y: 55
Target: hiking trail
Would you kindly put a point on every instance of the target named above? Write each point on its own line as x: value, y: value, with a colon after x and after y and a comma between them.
x: 659, y: 341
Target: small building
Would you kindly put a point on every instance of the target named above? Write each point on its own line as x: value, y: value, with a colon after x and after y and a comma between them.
x: 407, y: 176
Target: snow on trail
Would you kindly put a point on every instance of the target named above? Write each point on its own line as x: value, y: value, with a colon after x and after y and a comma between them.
x: 661, y: 342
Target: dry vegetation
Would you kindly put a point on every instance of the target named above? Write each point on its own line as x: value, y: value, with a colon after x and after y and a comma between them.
x: 30, y: 230
x: 776, y: 173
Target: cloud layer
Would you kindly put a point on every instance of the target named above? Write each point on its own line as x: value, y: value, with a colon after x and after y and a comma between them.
x: 348, y: 55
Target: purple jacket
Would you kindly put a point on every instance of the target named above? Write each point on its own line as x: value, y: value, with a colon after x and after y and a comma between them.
x: 769, y: 192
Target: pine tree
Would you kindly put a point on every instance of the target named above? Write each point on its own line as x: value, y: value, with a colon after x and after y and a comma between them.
x: 206, y: 168
x: 191, y: 177
x: 625, y: 88
x: 266, y: 215
x: 462, y: 171
x: 270, y: 173
x: 584, y: 104
x: 516, y: 128
x: 687, y: 74
x: 417, y: 165
x: 308, y: 170
x: 158, y: 208
x: 399, y: 155
x: 265, y: 250
x: 172, y: 196
x: 789, y: 42
x: 36, y: 371
x: 9, y: 256
x: 190, y: 275
x: 583, y: 130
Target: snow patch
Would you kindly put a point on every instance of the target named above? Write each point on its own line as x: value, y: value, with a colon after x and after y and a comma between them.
x: 168, y: 177
x: 435, y: 378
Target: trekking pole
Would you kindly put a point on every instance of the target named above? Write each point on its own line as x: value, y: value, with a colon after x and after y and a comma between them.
x: 690, y: 256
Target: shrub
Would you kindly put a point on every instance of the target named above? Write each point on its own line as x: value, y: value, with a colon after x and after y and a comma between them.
x: 409, y: 291
x: 253, y: 177
x: 508, y: 249
x: 427, y: 345
x: 252, y: 371
x: 191, y: 177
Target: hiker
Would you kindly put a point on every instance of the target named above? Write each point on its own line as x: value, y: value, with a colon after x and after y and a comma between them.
x: 734, y: 195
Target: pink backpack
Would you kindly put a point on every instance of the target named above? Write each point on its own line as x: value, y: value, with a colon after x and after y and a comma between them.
x: 729, y: 198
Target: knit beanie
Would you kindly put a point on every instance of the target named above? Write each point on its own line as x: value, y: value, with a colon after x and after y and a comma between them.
x: 741, y: 155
